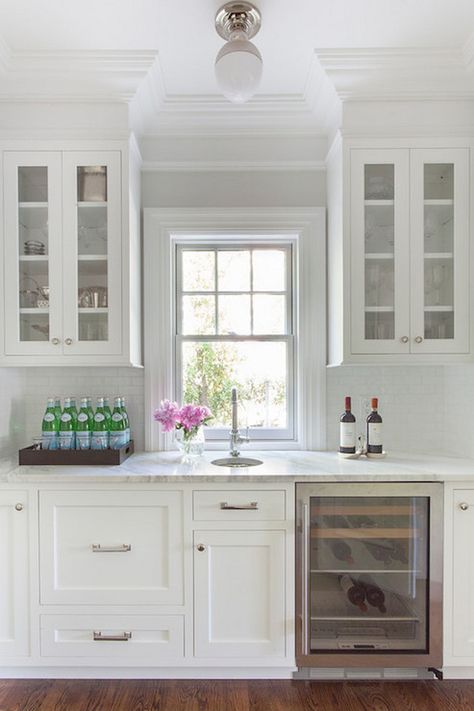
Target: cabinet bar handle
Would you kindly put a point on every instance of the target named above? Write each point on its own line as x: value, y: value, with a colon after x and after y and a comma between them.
x: 124, y: 548
x: 253, y: 506
x: 305, y: 583
x: 124, y: 637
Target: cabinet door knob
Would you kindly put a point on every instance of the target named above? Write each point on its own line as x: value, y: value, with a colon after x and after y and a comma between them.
x: 464, y: 506
x: 404, y: 339
x: 68, y: 341
x: 18, y: 507
x: 418, y: 339
x: 200, y: 547
x: 55, y: 341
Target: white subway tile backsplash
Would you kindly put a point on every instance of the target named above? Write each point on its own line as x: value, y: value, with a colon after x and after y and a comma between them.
x: 425, y: 408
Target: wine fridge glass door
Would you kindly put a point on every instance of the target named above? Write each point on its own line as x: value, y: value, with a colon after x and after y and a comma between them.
x: 367, y: 578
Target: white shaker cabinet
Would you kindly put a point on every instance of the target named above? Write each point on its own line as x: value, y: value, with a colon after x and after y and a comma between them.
x: 459, y: 580
x: 71, y: 270
x: 239, y: 594
x: 115, y: 547
x: 14, y: 574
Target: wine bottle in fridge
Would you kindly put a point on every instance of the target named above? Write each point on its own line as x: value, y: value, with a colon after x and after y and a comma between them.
x: 341, y: 550
x: 374, y: 429
x: 347, y: 429
x: 355, y: 592
x: 374, y: 594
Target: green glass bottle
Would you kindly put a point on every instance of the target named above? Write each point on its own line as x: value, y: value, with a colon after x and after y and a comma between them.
x: 107, y: 410
x: 128, y: 435
x: 84, y: 427
x: 57, y: 407
x: 117, y: 426
x: 66, y: 427
x: 90, y: 411
x: 50, y: 426
x: 100, y: 433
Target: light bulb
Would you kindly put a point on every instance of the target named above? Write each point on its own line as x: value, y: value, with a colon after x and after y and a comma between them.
x: 238, y: 70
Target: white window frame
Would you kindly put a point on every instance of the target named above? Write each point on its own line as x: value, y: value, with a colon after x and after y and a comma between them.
x: 307, y: 229
x: 233, y: 242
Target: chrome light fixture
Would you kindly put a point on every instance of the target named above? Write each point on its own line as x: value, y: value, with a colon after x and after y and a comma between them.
x: 238, y: 63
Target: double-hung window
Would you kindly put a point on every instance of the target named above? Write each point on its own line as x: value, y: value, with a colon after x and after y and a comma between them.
x: 234, y: 326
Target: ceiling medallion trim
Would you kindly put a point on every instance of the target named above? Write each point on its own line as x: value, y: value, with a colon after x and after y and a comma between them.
x: 238, y: 17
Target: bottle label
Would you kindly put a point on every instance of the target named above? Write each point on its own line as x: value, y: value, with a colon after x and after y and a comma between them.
x: 99, y: 440
x: 347, y: 434
x: 117, y: 417
x: 374, y: 434
x: 83, y: 440
x: 49, y: 440
x: 65, y: 417
x: 117, y: 440
x: 49, y: 417
x: 66, y: 440
x: 82, y: 417
x: 99, y: 417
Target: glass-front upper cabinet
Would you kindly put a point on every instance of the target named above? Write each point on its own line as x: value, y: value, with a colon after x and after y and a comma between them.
x: 409, y: 244
x: 33, y: 273
x: 440, y: 250
x: 379, y: 249
x: 63, y: 259
x: 92, y: 258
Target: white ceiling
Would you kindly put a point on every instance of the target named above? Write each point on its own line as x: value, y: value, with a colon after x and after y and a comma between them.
x: 105, y: 48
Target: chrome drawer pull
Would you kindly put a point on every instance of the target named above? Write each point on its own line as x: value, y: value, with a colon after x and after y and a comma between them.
x: 253, y: 506
x: 124, y: 637
x: 124, y: 548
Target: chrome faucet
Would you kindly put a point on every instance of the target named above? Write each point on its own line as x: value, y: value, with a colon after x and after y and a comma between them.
x: 235, y: 436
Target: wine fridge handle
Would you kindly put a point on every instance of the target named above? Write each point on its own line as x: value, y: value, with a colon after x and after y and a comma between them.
x: 305, y: 582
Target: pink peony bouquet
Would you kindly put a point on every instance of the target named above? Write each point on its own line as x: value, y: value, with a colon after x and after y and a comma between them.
x: 187, y: 418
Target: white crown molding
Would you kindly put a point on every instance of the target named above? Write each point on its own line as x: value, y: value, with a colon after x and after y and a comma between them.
x: 232, y: 166
x: 399, y: 73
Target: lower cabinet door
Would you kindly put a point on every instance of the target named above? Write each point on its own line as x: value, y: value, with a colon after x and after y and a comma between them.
x: 155, y: 638
x: 463, y: 574
x: 239, y: 594
x: 111, y: 547
x: 14, y: 578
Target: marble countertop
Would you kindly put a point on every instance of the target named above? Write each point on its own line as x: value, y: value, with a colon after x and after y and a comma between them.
x: 278, y: 466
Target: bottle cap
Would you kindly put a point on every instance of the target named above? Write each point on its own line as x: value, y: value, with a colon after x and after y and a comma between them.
x: 347, y: 403
x: 374, y: 403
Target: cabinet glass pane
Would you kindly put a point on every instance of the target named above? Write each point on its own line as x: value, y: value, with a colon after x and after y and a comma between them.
x: 33, y: 253
x: 369, y: 573
x: 439, y: 250
x: 379, y: 260
x: 92, y: 250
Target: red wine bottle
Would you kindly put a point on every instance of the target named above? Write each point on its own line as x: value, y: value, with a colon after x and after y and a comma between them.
x: 374, y: 429
x: 341, y: 550
x: 354, y: 591
x: 374, y: 594
x: 347, y: 429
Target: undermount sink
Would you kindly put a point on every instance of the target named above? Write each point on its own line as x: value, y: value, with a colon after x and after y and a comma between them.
x: 236, y: 462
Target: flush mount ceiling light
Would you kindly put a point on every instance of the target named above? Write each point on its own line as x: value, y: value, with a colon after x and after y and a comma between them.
x: 238, y: 63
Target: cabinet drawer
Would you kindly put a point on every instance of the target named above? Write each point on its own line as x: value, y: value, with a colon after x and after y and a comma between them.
x: 154, y: 637
x: 239, y: 505
x: 117, y: 547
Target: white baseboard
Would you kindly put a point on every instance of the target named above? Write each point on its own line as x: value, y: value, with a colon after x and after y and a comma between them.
x: 146, y: 673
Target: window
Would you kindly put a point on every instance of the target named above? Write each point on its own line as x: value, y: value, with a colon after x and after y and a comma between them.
x: 234, y: 327
x: 273, y: 319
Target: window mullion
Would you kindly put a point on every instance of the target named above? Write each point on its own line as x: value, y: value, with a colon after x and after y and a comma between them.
x: 216, y: 298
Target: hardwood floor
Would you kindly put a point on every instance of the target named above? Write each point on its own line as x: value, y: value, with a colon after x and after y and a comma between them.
x: 191, y: 695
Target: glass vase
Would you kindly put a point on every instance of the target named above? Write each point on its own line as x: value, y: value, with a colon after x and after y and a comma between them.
x: 190, y: 444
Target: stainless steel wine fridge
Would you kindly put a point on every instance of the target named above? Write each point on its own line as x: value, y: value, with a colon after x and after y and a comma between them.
x: 369, y: 582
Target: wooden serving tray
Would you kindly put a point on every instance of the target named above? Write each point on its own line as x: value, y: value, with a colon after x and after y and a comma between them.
x: 74, y: 457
